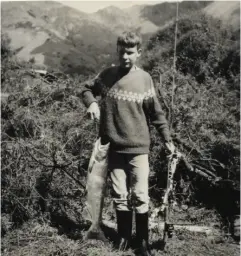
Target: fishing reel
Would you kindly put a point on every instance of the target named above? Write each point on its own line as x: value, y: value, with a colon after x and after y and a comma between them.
x: 169, y: 230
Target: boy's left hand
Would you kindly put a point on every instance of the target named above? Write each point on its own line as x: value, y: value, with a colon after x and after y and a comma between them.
x: 170, y: 147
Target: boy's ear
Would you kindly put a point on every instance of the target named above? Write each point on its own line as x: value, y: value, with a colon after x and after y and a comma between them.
x: 139, y: 51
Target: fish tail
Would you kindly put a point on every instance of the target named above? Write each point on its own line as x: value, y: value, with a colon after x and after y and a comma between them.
x: 95, y: 233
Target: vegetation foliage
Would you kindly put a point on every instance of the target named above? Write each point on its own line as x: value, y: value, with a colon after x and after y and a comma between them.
x: 47, y: 139
x: 205, y: 113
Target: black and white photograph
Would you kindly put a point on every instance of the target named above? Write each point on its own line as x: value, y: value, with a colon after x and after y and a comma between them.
x: 120, y: 128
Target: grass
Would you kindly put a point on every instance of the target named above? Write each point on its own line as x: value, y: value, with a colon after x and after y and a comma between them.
x: 39, y: 237
x: 42, y: 239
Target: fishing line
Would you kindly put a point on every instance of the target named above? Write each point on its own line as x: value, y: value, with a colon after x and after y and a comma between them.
x: 174, y: 68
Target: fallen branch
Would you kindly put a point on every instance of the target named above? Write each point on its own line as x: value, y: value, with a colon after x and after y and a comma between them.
x: 36, y: 75
x: 57, y: 166
x: 71, y: 176
x: 192, y: 228
x: 204, y: 170
x: 178, y: 140
x: 209, y: 175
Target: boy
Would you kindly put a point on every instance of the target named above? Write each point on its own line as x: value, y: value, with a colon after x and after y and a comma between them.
x: 128, y: 104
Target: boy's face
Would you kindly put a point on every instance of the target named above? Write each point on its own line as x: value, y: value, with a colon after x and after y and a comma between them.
x: 128, y: 56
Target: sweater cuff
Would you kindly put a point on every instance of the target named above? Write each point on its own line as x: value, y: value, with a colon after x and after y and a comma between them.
x: 166, y: 135
x: 88, y: 98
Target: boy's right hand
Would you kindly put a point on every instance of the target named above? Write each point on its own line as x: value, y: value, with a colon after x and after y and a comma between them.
x: 93, y: 111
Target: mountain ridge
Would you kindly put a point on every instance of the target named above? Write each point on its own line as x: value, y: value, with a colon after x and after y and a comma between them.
x: 64, y: 37
x: 40, y: 25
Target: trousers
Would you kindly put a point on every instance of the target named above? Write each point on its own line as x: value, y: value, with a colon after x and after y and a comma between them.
x: 129, y: 174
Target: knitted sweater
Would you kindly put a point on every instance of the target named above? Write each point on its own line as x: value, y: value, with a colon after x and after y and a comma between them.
x: 128, y: 104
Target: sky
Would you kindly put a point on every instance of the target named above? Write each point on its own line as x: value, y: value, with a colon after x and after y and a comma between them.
x: 93, y: 6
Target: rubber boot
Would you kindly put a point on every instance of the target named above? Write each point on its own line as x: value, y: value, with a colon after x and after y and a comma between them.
x: 142, y: 235
x: 124, y: 229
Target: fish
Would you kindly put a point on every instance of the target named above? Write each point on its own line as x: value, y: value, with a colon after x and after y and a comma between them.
x: 96, y: 184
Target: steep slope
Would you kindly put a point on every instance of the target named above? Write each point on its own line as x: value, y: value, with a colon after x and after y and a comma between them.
x: 114, y: 18
x: 227, y: 11
x: 56, y: 36
x: 144, y: 25
x: 64, y: 38
x: 163, y: 13
x: 119, y: 20
x: 50, y: 16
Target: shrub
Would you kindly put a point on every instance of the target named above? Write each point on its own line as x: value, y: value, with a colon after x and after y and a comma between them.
x: 46, y: 143
x: 205, y: 114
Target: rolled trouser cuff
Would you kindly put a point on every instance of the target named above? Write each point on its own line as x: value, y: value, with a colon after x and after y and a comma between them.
x: 122, y: 203
x: 141, y: 202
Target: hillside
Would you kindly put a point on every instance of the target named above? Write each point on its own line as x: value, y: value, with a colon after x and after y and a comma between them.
x: 162, y: 13
x: 56, y: 36
x: 227, y: 11
x: 145, y: 18
x: 119, y: 20
x: 114, y: 18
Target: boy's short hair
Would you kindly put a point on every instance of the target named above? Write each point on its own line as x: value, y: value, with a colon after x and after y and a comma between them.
x: 129, y: 39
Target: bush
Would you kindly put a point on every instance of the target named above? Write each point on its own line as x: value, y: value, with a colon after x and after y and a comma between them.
x: 46, y: 143
x: 205, y: 114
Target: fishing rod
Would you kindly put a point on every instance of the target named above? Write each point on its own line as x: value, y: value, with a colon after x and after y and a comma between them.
x: 168, y: 227
x: 164, y: 210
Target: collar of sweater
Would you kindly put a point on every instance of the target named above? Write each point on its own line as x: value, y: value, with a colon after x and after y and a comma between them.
x: 122, y: 72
